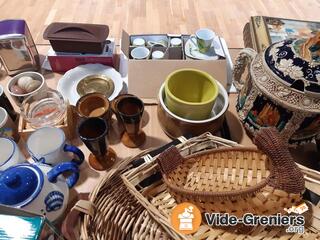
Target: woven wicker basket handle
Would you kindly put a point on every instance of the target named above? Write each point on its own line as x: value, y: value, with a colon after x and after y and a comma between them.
x: 285, y: 174
x: 169, y: 160
x: 70, y: 222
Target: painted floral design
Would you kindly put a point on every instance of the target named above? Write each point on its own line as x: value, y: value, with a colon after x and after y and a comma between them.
x: 286, y: 66
x: 318, y: 77
x: 275, y: 49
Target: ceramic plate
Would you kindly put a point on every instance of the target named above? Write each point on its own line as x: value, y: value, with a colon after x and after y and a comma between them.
x: 68, y: 84
x: 192, y: 50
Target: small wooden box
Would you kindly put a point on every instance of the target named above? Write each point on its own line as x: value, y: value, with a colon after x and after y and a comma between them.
x: 25, y: 130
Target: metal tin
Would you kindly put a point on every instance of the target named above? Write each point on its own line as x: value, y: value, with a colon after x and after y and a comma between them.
x: 18, y: 51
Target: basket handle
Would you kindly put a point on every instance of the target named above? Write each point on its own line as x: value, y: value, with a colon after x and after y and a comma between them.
x: 285, y: 174
x: 81, y: 206
x: 169, y: 160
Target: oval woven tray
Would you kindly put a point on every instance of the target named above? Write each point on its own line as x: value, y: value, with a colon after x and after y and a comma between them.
x: 236, y: 180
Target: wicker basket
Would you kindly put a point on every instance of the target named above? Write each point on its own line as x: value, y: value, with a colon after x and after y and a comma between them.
x: 153, y: 203
x: 156, y: 198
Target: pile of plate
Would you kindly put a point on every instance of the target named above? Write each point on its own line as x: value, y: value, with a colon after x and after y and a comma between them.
x: 90, y: 78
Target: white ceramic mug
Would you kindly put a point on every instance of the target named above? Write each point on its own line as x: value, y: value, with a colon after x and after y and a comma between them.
x: 140, y: 53
x: 10, y: 154
x: 7, y: 126
x: 203, y: 39
x: 48, y: 145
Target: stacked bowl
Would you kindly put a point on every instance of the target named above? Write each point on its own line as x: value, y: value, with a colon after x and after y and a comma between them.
x: 191, y: 102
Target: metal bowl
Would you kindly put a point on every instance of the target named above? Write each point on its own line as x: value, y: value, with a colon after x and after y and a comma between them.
x: 175, y: 126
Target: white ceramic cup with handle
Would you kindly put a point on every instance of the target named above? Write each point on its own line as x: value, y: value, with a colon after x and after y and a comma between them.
x: 48, y: 145
x: 203, y: 39
x: 10, y: 154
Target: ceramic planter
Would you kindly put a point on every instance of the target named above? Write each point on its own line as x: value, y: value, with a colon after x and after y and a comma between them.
x: 282, y: 89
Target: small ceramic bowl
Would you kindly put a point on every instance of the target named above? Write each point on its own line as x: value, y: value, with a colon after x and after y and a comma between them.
x: 19, y: 98
x: 175, y: 126
x: 140, y: 53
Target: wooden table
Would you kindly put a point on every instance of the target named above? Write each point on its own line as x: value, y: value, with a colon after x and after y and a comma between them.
x: 155, y: 136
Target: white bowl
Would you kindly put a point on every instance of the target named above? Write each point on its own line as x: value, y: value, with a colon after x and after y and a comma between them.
x: 18, y: 98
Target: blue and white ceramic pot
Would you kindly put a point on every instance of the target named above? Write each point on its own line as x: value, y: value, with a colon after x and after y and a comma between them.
x: 38, y: 188
x: 282, y: 88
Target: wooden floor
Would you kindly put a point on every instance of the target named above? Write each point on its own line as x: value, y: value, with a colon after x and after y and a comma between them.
x: 226, y: 17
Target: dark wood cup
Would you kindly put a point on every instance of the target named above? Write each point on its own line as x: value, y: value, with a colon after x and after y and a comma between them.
x: 93, y: 132
x: 130, y: 110
x: 94, y: 105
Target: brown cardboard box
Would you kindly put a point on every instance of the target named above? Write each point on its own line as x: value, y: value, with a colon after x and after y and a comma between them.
x: 146, y: 76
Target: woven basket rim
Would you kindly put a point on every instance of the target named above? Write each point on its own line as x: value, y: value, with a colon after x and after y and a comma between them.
x: 233, y: 194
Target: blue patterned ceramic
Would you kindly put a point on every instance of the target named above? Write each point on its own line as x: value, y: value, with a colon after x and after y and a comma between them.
x: 38, y: 188
x: 54, y: 201
x: 282, y: 89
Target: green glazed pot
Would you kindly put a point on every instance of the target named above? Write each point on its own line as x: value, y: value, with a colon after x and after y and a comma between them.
x: 191, y: 93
